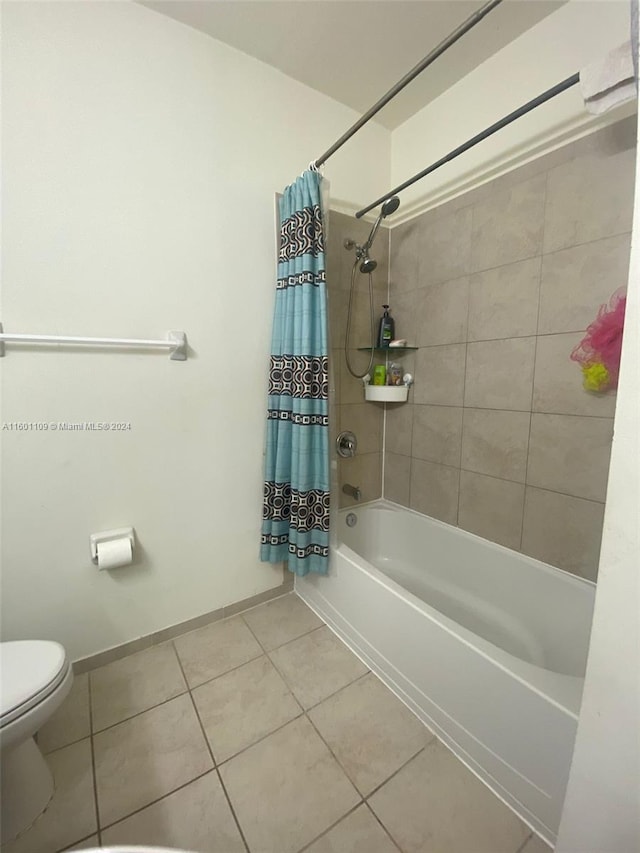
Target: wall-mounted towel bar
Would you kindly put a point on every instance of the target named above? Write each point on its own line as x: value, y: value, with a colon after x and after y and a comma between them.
x: 176, y: 342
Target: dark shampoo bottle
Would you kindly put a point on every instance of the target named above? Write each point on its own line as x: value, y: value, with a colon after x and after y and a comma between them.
x: 386, y: 329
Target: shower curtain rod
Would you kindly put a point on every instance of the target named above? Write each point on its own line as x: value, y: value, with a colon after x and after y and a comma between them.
x: 444, y: 45
x: 523, y: 110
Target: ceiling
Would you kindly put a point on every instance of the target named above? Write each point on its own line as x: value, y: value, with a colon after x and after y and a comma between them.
x: 355, y: 50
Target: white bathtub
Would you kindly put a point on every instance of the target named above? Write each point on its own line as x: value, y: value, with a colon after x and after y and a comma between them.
x: 487, y: 646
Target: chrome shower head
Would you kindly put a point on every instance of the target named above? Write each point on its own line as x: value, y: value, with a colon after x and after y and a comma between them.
x: 368, y: 264
x: 389, y: 206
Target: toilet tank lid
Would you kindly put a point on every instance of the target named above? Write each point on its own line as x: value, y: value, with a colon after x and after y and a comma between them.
x: 27, y: 667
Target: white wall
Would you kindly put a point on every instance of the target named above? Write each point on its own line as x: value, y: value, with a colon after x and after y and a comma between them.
x: 140, y: 164
x: 602, y: 806
x: 580, y: 32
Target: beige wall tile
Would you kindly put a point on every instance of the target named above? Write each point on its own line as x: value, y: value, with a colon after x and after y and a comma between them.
x: 444, y: 247
x: 563, y: 531
x: 577, y: 281
x: 365, y: 471
x: 365, y: 421
x: 557, y: 384
x: 361, y: 330
x: 590, y: 196
x: 403, y: 310
x: 437, y: 434
x: 508, y: 226
x: 351, y: 388
x: 491, y: 508
x: 441, y: 312
x: 397, y: 478
x: 398, y: 428
x: 500, y: 374
x: 404, y: 256
x: 338, y: 302
x: 434, y: 490
x: 503, y: 302
x: 496, y: 443
x: 570, y: 454
x: 439, y: 377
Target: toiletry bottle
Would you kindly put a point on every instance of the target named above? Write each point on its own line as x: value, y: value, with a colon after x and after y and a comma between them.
x: 379, y: 374
x: 386, y: 329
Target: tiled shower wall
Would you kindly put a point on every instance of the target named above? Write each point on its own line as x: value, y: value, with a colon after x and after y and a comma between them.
x: 350, y: 412
x: 496, y: 288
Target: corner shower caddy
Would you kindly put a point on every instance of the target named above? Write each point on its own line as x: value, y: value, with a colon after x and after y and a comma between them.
x: 387, y: 393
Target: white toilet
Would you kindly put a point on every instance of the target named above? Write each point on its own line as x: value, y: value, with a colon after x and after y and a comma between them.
x: 35, y: 677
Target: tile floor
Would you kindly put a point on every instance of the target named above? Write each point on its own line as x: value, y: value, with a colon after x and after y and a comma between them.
x: 260, y: 733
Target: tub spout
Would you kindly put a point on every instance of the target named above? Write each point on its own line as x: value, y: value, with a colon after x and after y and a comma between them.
x: 353, y: 491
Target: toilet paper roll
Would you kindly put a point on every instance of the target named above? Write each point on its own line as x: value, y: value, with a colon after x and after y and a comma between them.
x: 115, y: 553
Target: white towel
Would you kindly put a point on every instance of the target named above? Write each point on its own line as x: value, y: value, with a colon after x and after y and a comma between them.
x: 609, y: 82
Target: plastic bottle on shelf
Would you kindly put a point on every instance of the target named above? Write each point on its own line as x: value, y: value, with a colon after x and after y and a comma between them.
x: 386, y: 329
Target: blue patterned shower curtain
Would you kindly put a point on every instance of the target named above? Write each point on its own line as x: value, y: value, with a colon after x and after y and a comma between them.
x: 295, y: 523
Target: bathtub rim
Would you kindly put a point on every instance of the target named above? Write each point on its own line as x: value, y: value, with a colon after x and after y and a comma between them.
x: 510, y: 664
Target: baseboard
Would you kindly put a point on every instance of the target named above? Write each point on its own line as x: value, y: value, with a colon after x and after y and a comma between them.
x: 140, y: 643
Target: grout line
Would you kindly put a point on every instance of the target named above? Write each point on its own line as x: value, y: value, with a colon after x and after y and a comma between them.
x: 139, y: 713
x: 192, y: 687
x: 329, y: 828
x: 262, y: 737
x: 215, y: 767
x: 335, y: 758
x: 340, y: 689
x: 522, y: 411
x: 377, y: 819
x: 294, y: 639
x: 157, y: 800
x: 93, y: 762
x: 525, y: 842
x: 402, y: 766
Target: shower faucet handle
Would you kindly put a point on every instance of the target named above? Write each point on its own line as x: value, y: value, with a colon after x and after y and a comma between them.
x: 346, y: 444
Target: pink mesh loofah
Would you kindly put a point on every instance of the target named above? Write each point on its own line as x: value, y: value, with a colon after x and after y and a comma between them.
x: 602, y: 343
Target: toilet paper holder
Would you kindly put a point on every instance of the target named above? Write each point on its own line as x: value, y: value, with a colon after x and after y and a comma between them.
x: 96, y: 539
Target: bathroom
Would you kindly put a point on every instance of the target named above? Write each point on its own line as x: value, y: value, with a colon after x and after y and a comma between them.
x: 139, y: 198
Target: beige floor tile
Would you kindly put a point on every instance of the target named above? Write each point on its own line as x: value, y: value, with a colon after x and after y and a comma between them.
x: 359, y: 832
x: 287, y: 789
x: 87, y: 844
x: 197, y: 818
x: 239, y: 708
x: 536, y: 845
x: 317, y: 665
x: 210, y: 651
x: 136, y: 683
x: 436, y: 805
x: 149, y: 756
x: 279, y: 621
x: 71, y: 814
x: 369, y: 731
x: 71, y: 721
